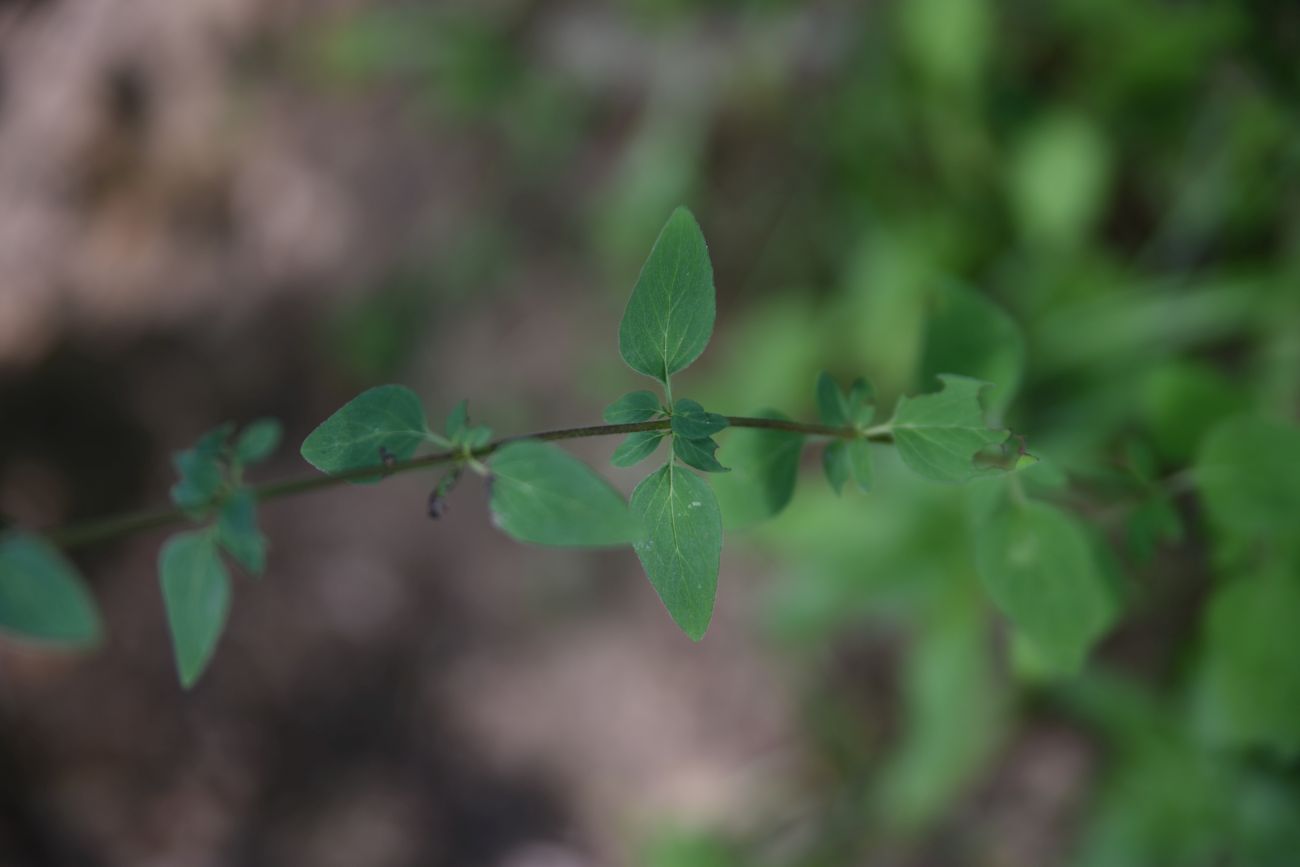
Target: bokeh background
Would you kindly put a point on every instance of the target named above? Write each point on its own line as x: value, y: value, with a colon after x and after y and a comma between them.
x: 225, y: 209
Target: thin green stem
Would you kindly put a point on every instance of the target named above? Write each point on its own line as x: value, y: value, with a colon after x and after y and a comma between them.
x: 104, y: 529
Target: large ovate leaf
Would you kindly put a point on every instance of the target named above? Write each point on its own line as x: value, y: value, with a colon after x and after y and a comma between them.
x: 1039, y: 567
x: 1248, y: 472
x: 682, y: 545
x: 384, y: 421
x: 669, y: 318
x: 633, y: 407
x: 637, y: 447
x: 858, y: 457
x: 1251, y: 670
x: 196, y: 593
x: 41, y: 595
x: 764, y: 467
x: 238, y: 533
x: 542, y: 494
x: 939, y: 434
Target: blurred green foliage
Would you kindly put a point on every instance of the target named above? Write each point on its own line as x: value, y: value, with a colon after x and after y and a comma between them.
x: 1093, y: 204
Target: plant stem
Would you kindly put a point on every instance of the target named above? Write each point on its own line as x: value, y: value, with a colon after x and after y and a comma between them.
x: 103, y: 529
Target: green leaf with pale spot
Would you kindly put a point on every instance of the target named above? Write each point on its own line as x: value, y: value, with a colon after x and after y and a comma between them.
x: 939, y: 434
x: 691, y: 421
x: 637, y: 447
x: 258, y: 441
x: 633, y: 407
x: 1248, y: 472
x: 196, y: 594
x: 765, y: 467
x: 41, y: 595
x: 669, y: 318
x: 238, y: 533
x: 387, y: 419
x: 698, y: 453
x: 542, y: 494
x: 682, y: 546
x: 1038, y: 565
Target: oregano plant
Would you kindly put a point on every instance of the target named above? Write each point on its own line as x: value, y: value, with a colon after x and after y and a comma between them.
x: 543, y: 495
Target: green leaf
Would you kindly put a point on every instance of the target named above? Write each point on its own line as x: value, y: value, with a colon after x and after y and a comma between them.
x: 1248, y: 471
x: 457, y: 420
x: 637, y: 447
x: 258, y: 441
x: 1039, y: 567
x: 41, y: 595
x: 698, y: 453
x: 477, y: 437
x: 669, y: 317
x: 387, y: 419
x: 858, y: 456
x: 633, y: 407
x: 201, y: 469
x: 543, y: 494
x: 967, y: 332
x: 1251, y: 668
x: 238, y: 533
x: 682, y: 545
x: 765, y: 466
x: 831, y: 406
x: 861, y: 403
x: 196, y: 593
x: 692, y: 422
x: 835, y: 464
x: 939, y: 434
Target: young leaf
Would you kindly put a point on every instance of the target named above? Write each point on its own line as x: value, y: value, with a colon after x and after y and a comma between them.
x: 238, y: 533
x: 637, y: 447
x: 682, y: 545
x: 1249, y: 475
x: 830, y: 401
x: 201, y: 469
x: 1038, y: 565
x: 633, y: 407
x: 698, y: 453
x: 835, y: 464
x: 692, y: 422
x: 196, y: 593
x: 939, y: 434
x: 669, y: 318
x: 258, y: 441
x: 41, y: 595
x: 457, y: 421
x: 477, y: 437
x: 386, y: 420
x: 765, y: 466
x: 542, y: 494
x: 858, y: 457
x: 861, y: 403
